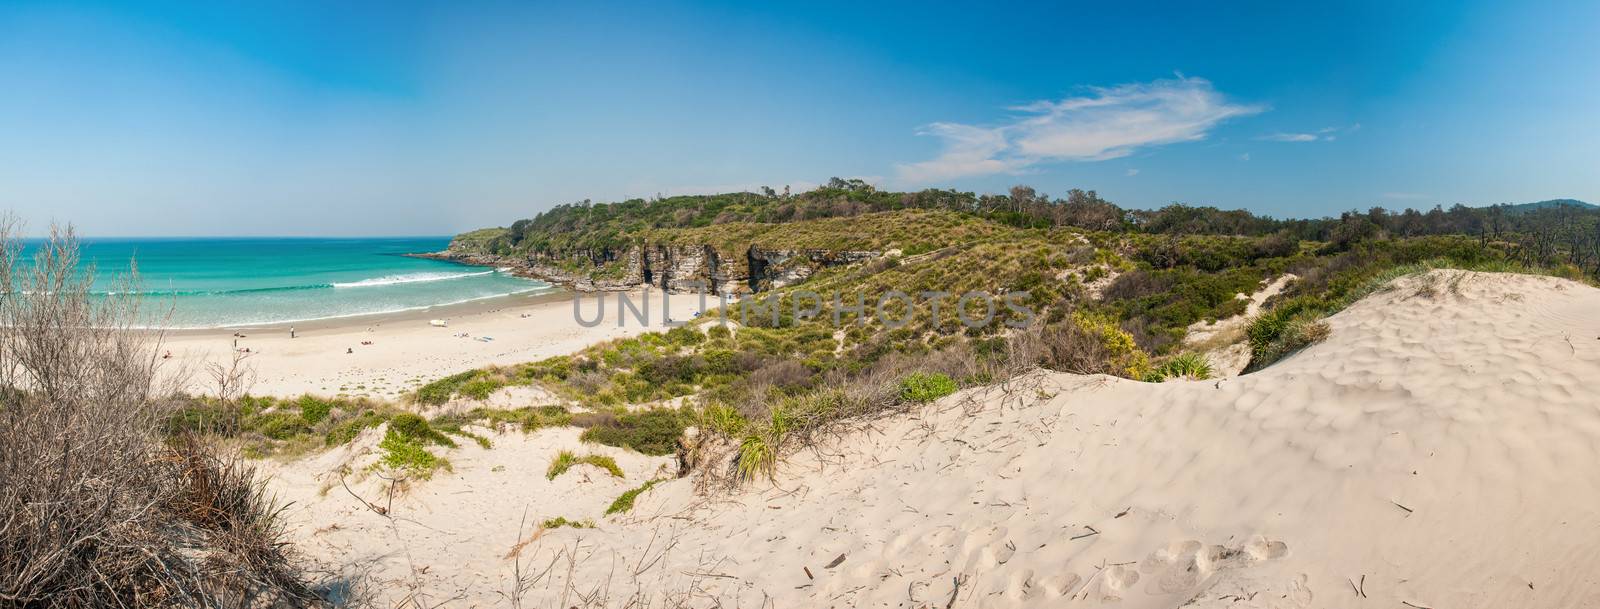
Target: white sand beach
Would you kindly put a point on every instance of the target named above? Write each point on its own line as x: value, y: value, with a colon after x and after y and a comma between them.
x: 384, y: 356
x: 1435, y: 451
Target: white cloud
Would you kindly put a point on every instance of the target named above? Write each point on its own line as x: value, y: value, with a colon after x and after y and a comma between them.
x: 1325, y: 134
x: 1289, y: 137
x: 1133, y: 172
x: 968, y: 151
x: 1111, y: 122
x: 1244, y: 157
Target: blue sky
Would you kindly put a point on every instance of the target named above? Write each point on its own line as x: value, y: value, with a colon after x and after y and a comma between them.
x: 166, y: 118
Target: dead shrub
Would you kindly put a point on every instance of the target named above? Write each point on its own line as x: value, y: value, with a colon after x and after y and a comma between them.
x: 785, y: 375
x: 1137, y: 284
x: 97, y: 511
x: 1069, y: 348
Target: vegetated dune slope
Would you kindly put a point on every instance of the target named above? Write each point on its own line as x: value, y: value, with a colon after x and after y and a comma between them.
x: 1441, y: 448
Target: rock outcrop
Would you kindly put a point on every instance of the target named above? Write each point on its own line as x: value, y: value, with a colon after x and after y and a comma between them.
x: 670, y: 266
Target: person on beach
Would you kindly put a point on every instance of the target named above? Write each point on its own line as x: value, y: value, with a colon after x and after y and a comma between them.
x: 291, y: 331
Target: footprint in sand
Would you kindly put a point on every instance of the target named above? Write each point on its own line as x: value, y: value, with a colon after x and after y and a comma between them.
x: 1118, y: 579
x: 1183, y: 565
x: 1024, y: 587
x: 1061, y: 585
x: 1175, y: 568
x: 1003, y: 552
x: 1263, y: 549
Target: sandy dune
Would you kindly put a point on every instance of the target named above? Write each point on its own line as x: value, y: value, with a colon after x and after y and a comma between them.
x: 1437, y: 450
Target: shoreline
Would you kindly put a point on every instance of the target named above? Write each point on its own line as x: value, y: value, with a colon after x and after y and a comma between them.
x: 439, y: 311
x: 385, y: 356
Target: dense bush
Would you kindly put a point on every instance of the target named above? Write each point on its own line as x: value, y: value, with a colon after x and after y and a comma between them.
x: 652, y: 432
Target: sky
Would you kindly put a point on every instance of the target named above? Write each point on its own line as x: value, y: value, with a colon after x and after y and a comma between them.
x: 394, y: 118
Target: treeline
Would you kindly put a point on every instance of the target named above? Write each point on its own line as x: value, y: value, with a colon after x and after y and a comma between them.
x: 1558, y: 234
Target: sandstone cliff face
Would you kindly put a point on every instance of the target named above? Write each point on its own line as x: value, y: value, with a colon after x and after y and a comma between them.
x: 676, y: 267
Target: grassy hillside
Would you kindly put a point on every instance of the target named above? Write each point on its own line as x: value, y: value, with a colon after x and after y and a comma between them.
x: 1114, y: 302
x: 849, y: 214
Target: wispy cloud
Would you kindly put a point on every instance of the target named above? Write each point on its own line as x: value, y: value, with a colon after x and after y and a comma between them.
x: 1325, y: 134
x: 1289, y: 137
x: 1109, y: 123
x: 1133, y: 172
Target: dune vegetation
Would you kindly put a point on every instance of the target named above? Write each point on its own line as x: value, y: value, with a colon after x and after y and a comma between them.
x: 1093, y: 289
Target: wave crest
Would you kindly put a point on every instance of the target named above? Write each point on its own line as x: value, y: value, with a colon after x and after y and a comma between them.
x: 407, y: 278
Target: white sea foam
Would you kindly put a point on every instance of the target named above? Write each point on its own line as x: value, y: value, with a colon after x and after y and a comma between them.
x: 407, y: 278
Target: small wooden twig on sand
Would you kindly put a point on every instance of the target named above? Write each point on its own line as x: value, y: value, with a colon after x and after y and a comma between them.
x: 956, y: 592
x: 376, y: 509
x: 1361, y: 587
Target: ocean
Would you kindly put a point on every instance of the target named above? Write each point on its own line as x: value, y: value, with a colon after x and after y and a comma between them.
x: 209, y: 283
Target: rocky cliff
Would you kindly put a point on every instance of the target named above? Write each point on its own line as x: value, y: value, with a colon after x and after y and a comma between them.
x: 670, y: 266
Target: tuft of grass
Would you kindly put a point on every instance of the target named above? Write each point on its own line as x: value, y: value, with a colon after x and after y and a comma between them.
x: 757, y: 457
x: 1191, y: 366
x: 1281, y: 332
x: 723, y: 419
x: 561, y: 521
x: 624, y: 502
x: 922, y: 387
x: 567, y: 460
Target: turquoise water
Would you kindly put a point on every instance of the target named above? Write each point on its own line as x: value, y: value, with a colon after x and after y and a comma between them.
x: 249, y: 281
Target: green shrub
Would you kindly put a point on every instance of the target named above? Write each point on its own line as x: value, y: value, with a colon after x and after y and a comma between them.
x: 480, y: 388
x: 624, y: 502
x: 345, y: 431
x: 313, y: 410
x: 566, y: 460
x: 403, y: 453
x: 684, y: 336
x: 921, y: 387
x: 416, y: 429
x: 652, y: 432
x: 280, y: 425
x: 440, y: 391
